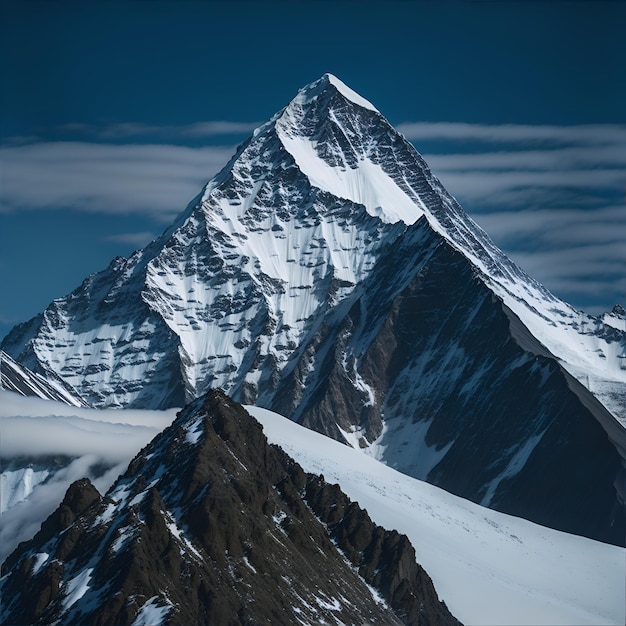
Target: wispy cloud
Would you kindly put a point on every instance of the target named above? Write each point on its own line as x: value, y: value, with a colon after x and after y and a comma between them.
x: 134, y: 130
x: 93, y: 439
x: 584, y: 134
x: 133, y: 239
x: 104, y: 178
x: 23, y: 520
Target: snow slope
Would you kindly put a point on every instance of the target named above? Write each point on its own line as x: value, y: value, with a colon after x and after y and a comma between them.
x: 17, y: 378
x: 490, y: 568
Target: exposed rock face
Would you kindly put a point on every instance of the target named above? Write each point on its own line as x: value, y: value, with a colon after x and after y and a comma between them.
x: 326, y: 274
x: 211, y: 525
x: 471, y: 401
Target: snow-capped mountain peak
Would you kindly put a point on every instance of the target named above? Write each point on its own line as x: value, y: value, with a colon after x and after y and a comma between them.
x: 313, y: 90
x: 325, y: 273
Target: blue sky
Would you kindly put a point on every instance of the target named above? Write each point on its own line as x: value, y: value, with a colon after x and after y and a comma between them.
x: 113, y: 116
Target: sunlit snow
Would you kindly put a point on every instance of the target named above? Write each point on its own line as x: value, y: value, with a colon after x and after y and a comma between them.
x: 490, y: 568
x: 152, y: 613
x: 367, y: 184
x: 76, y: 588
x: 17, y: 485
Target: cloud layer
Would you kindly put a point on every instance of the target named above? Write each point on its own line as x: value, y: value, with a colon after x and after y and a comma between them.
x: 128, y: 130
x: 104, y: 178
x: 100, y: 444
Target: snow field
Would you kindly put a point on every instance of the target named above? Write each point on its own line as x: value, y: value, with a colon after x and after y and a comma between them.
x: 490, y: 568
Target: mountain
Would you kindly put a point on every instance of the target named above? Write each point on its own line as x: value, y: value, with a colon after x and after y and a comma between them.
x: 616, y: 318
x: 326, y: 274
x: 490, y: 568
x: 212, y: 525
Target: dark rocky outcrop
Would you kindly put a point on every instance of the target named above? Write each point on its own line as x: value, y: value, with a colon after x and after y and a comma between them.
x: 212, y: 525
x: 445, y: 358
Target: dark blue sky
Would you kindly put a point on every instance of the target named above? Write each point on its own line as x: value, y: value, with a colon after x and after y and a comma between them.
x: 106, y: 109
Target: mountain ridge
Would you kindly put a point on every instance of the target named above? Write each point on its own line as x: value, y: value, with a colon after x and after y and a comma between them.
x: 211, y: 524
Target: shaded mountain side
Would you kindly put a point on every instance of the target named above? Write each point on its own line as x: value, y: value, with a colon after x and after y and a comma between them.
x: 470, y: 400
x: 211, y: 525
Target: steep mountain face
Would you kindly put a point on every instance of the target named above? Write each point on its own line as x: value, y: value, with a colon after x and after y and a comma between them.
x: 212, y: 525
x: 326, y: 274
x: 616, y: 318
x: 19, y: 379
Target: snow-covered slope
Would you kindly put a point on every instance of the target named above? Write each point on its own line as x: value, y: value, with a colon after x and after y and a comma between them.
x: 17, y: 378
x: 326, y: 274
x: 617, y: 319
x: 490, y: 568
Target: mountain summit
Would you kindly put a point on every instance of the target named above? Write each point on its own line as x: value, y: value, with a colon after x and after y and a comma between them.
x: 326, y: 274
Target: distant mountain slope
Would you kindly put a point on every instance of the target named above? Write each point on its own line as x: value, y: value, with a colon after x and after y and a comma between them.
x: 211, y: 525
x: 491, y: 568
x: 326, y: 274
x: 17, y: 378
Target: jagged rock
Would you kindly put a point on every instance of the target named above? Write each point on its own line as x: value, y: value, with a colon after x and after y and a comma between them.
x: 212, y: 525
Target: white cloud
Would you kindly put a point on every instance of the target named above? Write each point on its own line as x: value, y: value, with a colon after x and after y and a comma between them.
x: 22, y: 521
x: 570, y: 158
x: 211, y: 129
x: 102, y: 178
x: 94, y: 439
x: 71, y: 435
x: 585, y: 134
x: 134, y: 239
x: 572, y: 227
x: 52, y: 428
x: 126, y: 130
x: 521, y: 189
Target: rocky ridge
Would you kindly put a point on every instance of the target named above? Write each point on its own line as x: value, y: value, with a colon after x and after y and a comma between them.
x: 210, y: 524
